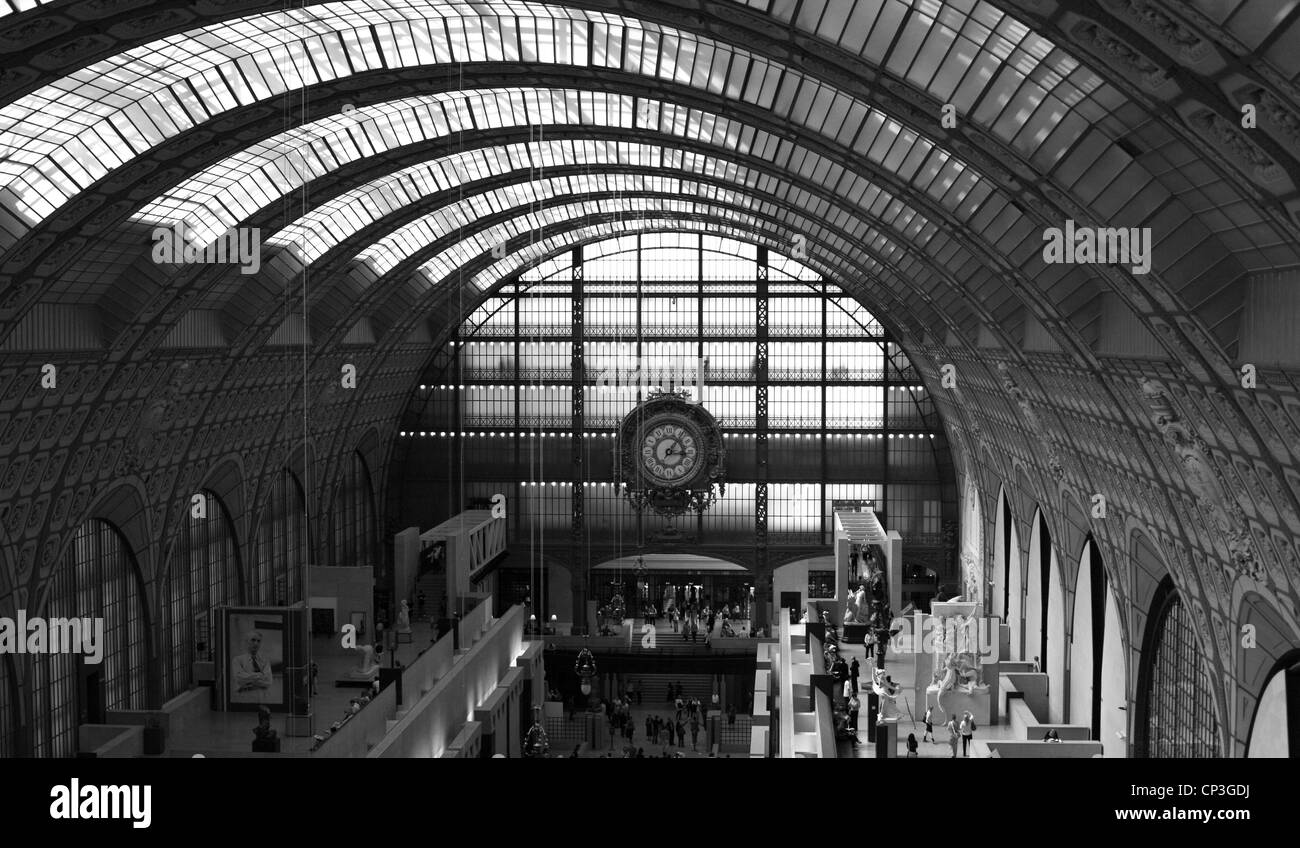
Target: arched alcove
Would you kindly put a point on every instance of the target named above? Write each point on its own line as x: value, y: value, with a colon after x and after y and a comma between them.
x: 1176, y: 712
x: 1001, y: 556
x: 282, y: 546
x: 98, y: 577
x: 1275, y: 726
x: 972, y: 535
x: 354, y: 539
x: 202, y: 574
x: 1054, y: 638
x: 1039, y: 547
x: 9, y: 717
x: 1114, y: 705
x: 1096, y: 655
x: 1016, y: 595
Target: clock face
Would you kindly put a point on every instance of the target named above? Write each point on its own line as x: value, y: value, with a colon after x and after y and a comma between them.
x: 670, y: 452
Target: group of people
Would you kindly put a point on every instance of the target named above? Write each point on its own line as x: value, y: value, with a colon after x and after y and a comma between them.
x: 963, y: 729
x: 671, y: 732
x: 689, y: 714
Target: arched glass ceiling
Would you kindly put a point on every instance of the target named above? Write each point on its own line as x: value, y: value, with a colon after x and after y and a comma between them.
x: 237, y: 186
x: 320, y: 230
x: 75, y: 131
x: 407, y: 240
x: 228, y: 192
x: 544, y: 250
x: 446, y: 264
x: 325, y: 227
x: 673, y: 256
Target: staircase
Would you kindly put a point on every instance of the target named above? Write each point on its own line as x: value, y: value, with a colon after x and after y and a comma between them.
x: 434, y: 586
x: 654, y: 687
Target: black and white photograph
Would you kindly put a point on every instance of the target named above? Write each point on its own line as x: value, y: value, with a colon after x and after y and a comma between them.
x: 254, y: 658
x: 655, y: 379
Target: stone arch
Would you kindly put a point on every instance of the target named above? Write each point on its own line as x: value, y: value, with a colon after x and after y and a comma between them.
x: 98, y: 575
x: 1271, y: 648
x: 1178, y: 709
x: 1275, y: 722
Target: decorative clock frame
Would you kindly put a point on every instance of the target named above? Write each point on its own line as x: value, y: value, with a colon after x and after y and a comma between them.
x: 672, y: 491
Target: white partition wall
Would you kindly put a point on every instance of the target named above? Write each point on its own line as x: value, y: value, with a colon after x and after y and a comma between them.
x: 1081, y: 649
x: 1034, y: 597
x: 1054, y: 662
x: 999, y: 577
x: 1114, y: 691
x: 1269, y: 734
x: 1016, y: 598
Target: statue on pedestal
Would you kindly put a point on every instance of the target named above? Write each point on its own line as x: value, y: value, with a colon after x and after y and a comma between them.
x: 832, y: 632
x: 887, y: 691
x: 960, y: 673
x: 366, y: 667
x: 854, y: 607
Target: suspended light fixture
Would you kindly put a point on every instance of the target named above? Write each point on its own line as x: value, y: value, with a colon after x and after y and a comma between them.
x: 585, y: 668
x: 536, y: 744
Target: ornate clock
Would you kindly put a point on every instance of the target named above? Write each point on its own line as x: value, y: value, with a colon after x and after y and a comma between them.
x: 671, y: 456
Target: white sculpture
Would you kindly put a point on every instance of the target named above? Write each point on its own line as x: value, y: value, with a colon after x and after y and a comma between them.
x: 366, y: 667
x: 404, y: 619
x: 887, y: 694
x: 853, y: 607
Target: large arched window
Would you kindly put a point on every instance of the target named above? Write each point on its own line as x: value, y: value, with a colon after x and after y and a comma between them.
x: 97, y: 578
x: 280, y: 558
x: 203, y: 574
x: 8, y: 711
x: 353, y: 518
x: 1176, y: 716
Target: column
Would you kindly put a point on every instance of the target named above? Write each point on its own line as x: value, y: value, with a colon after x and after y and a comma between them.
x: 578, y: 422
x: 762, y: 592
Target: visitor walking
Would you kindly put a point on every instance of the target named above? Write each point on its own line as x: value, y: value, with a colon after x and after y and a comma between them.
x: 853, y: 674
x: 911, y: 745
x: 967, y: 732
x: 854, y: 706
x: 953, y: 732
x: 929, y: 726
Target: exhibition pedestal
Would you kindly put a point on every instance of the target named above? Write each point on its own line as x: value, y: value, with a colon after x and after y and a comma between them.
x: 887, y: 739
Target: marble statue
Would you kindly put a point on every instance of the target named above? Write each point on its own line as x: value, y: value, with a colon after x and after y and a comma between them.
x: 832, y: 632
x: 960, y: 673
x: 854, y: 606
x: 888, y: 695
x: 404, y: 619
x: 366, y: 667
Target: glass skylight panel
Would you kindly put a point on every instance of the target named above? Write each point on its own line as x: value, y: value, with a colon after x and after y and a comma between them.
x: 221, y: 199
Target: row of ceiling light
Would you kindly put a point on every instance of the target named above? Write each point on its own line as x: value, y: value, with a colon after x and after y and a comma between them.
x: 556, y: 435
x: 530, y: 387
